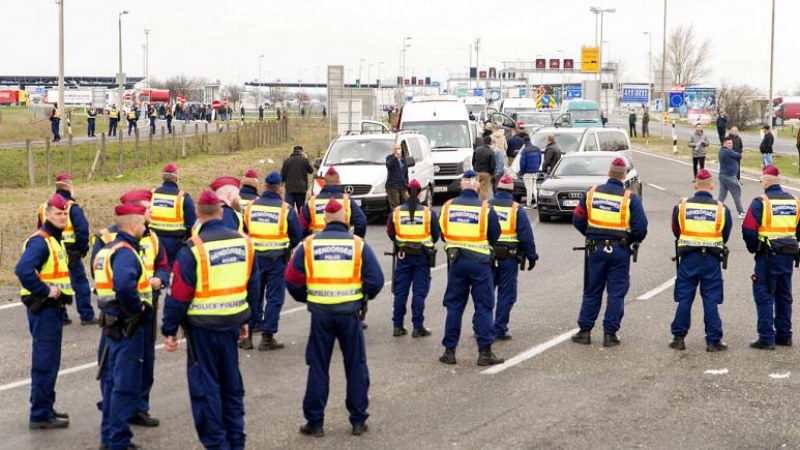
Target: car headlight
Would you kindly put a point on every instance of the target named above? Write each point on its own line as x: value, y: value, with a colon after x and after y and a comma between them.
x: 379, y: 188
x: 546, y: 193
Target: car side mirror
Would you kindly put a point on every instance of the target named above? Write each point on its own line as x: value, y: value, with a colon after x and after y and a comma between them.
x: 317, y: 163
x: 410, y: 162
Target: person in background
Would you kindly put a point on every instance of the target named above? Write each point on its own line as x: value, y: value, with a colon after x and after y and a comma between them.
x: 729, y: 162
x: 722, y: 126
x: 396, y: 177
x: 699, y: 144
x: 530, y: 163
x: 603, y: 118
x: 91, y: 118
x: 499, y: 138
x: 168, y: 113
x: 766, y: 147
x: 738, y: 147
x: 552, y: 153
x: 484, y: 163
x: 294, y: 173
x: 646, y: 123
x: 632, y: 123
x: 55, y: 122
x: 515, y: 143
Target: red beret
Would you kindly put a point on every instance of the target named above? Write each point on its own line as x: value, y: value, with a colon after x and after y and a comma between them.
x: 225, y: 181
x: 618, y: 162
x: 63, y: 176
x: 170, y: 168
x: 331, y: 171
x: 208, y: 197
x: 333, y: 206
x: 771, y: 170
x: 251, y: 173
x: 58, y: 202
x: 129, y: 210
x: 703, y: 174
x: 414, y: 184
x: 140, y: 195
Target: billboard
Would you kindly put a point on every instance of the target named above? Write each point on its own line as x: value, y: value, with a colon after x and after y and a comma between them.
x: 71, y: 96
x: 635, y: 94
x: 701, y: 104
x: 590, y: 59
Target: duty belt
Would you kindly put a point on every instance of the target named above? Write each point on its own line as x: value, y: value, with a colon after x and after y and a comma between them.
x: 59, y: 285
x: 340, y: 293
x: 216, y: 305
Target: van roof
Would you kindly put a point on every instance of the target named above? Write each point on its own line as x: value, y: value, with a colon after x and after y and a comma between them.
x: 440, y: 110
x: 582, y: 104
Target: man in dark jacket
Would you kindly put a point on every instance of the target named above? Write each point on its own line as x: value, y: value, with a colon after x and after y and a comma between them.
x: 396, y: 177
x: 632, y: 123
x: 552, y: 153
x: 766, y: 147
x: 737, y: 146
x: 515, y: 143
x: 529, y: 163
x: 484, y: 163
x: 294, y: 172
x: 722, y: 125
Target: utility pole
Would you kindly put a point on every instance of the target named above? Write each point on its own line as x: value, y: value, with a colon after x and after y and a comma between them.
x: 61, y: 64
x: 120, y: 75
x: 664, y: 71
x: 260, y: 57
x: 477, y: 63
x: 403, y: 59
x: 770, y: 108
x: 649, y: 68
x: 147, y: 56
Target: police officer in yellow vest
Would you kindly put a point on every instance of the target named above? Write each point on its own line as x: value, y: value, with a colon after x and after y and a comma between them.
x: 42, y: 272
x: 227, y: 189
x: 55, y: 122
x: 335, y: 273
x: 701, y: 226
x: 214, y: 289
x: 312, y: 214
x: 274, y: 229
x: 155, y: 260
x: 469, y: 228
x: 113, y: 120
x: 124, y: 295
x: 414, y: 229
x: 152, y: 113
x: 132, y: 116
x: 173, y: 212
x: 249, y: 190
x: 612, y: 219
x: 91, y: 118
x: 770, y: 230
x: 513, y: 249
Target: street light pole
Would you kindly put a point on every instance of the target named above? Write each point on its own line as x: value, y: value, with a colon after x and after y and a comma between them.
x: 664, y: 70
x: 147, y: 57
x: 477, y: 63
x: 770, y: 109
x: 61, y: 61
x: 380, y: 63
x: 600, y: 12
x: 120, y: 81
x: 649, y: 67
x: 260, y: 58
x: 360, y: 62
x: 403, y: 59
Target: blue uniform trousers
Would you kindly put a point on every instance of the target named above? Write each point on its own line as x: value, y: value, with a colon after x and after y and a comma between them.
x: 45, y: 328
x: 54, y: 128
x: 505, y: 278
x: 112, y: 127
x: 325, y: 329
x: 122, y: 379
x: 697, y: 268
x: 152, y: 125
x: 774, y: 309
x: 216, y: 389
x: 171, y: 246
x: 83, y: 293
x: 148, y: 366
x: 412, y: 273
x: 467, y: 275
x: 273, y: 288
x: 90, y: 127
x: 607, y: 272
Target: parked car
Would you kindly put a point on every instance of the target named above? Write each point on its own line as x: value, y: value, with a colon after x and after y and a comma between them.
x: 575, y: 174
x: 533, y: 121
x: 360, y: 159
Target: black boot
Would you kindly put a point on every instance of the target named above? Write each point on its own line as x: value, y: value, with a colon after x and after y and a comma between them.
x: 677, y: 343
x: 610, y: 340
x: 247, y: 343
x: 582, y: 337
x: 783, y: 342
x: 449, y: 356
x: 399, y: 331
x: 358, y: 430
x: 143, y: 419
x: 486, y: 357
x: 421, y: 332
x: 716, y: 347
x: 49, y: 424
x: 761, y: 345
x: 269, y: 343
x: 309, y: 430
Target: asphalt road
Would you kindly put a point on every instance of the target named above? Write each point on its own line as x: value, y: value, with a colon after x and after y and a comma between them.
x: 551, y: 394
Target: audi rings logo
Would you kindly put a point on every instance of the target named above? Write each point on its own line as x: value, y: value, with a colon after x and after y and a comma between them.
x: 436, y: 169
x: 574, y: 195
x: 348, y: 189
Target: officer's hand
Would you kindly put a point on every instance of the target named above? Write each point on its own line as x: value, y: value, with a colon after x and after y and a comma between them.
x: 170, y: 344
x: 531, y: 264
x: 156, y: 283
x: 244, y: 331
x: 54, y: 292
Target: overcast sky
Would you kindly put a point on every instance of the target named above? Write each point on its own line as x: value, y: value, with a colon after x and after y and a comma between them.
x: 223, y: 39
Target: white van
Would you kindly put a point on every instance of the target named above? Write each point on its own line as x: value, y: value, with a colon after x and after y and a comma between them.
x: 360, y: 159
x: 445, y: 123
x: 513, y: 106
x: 477, y: 107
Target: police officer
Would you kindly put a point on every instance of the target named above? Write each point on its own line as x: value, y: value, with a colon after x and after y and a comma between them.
x: 132, y: 116
x: 113, y: 120
x: 273, y: 227
x: 311, y: 216
x: 414, y: 229
x: 153, y: 115
x: 249, y: 190
x: 227, y: 189
x: 125, y: 298
x: 55, y: 122
x: 173, y: 212
x: 335, y: 273
x: 155, y: 260
x: 76, y: 241
x: 168, y: 115
x: 770, y: 230
x: 214, y: 290
x: 91, y: 117
x: 515, y: 246
x: 469, y: 228
x: 42, y: 272
x: 612, y: 219
x: 701, y: 226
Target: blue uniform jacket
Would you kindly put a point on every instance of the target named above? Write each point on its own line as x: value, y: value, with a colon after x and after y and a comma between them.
x: 524, y: 229
x: 753, y: 218
x: 708, y: 199
x: 248, y: 192
x: 189, y: 213
x: 79, y: 223
x: 126, y: 268
x: 470, y: 198
x: 357, y: 218
x: 32, y: 260
x: 436, y: 232
x: 638, y: 218
x: 229, y: 218
x: 161, y: 265
x: 371, y: 274
x: 184, y: 280
x: 295, y: 229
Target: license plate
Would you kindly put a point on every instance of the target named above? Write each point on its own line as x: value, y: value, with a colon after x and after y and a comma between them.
x: 570, y: 203
x: 358, y: 201
x: 440, y: 189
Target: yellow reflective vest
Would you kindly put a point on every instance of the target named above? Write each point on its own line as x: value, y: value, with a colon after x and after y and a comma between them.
x: 113, y: 113
x: 466, y: 227
x: 68, y: 234
x: 131, y: 115
x: 104, y: 275
x: 779, y: 218
x: 148, y: 245
x: 167, y: 211
x: 54, y: 272
x: 417, y: 229
x: 223, y: 272
x: 507, y: 216
x: 701, y: 224
x: 316, y: 211
x: 333, y: 270
x: 608, y: 213
x: 267, y: 226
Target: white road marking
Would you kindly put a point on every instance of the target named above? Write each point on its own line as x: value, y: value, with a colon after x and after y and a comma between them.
x: 10, y: 305
x: 716, y: 372
x: 530, y: 353
x: 653, y: 292
x: 778, y: 376
x: 655, y: 186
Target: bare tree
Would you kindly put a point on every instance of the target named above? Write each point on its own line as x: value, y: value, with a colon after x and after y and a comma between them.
x: 234, y: 94
x: 687, y: 58
x: 192, y: 87
x: 738, y: 101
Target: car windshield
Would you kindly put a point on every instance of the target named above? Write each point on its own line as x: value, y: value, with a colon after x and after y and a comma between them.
x: 568, y: 142
x: 444, y: 134
x: 535, y: 119
x: 584, y: 166
x: 359, y: 152
x: 511, y: 111
x: 587, y: 115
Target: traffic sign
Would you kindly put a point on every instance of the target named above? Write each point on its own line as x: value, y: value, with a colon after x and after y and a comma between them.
x: 478, y: 92
x: 555, y: 63
x: 461, y: 92
x: 590, y: 59
x: 569, y: 64
x: 676, y: 99
x: 541, y: 63
x: 436, y: 84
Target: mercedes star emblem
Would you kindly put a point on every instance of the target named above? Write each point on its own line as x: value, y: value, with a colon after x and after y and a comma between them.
x: 348, y: 189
